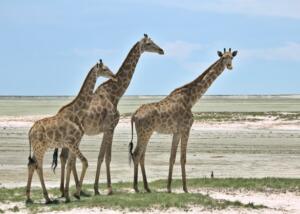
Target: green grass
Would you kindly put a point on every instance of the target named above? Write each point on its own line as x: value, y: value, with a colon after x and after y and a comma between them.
x: 121, y: 199
x: 244, y: 116
x: 239, y: 116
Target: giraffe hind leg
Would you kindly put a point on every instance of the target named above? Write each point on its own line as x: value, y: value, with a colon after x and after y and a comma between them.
x: 142, y: 163
x: 175, y: 142
x: 63, y: 160
x: 66, y: 188
x: 142, y: 141
x: 39, y: 170
x: 31, y: 167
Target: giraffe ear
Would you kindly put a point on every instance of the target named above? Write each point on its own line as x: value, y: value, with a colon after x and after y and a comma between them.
x: 220, y: 54
x: 234, y: 53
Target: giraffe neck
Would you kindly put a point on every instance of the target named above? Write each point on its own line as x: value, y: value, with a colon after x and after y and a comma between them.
x: 194, y: 90
x: 115, y: 89
x: 82, y: 101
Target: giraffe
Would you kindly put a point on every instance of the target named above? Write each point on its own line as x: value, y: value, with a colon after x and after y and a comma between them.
x: 103, y: 115
x: 172, y: 115
x: 63, y: 130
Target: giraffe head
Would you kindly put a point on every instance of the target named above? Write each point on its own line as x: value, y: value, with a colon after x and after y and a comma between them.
x: 227, y: 57
x: 104, y: 71
x: 147, y: 45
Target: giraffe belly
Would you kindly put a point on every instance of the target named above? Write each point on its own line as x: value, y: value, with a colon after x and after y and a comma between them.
x: 166, y: 128
x: 97, y: 124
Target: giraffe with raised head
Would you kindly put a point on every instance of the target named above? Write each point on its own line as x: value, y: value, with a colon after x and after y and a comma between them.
x: 63, y: 130
x: 103, y: 115
x: 173, y: 115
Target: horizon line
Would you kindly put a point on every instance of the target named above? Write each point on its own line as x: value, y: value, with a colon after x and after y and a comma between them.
x: 132, y: 95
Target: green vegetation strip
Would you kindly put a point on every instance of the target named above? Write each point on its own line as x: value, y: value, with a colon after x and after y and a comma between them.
x: 122, y: 199
x: 240, y: 116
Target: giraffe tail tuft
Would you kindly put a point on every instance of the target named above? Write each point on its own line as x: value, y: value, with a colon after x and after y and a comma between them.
x: 54, y: 161
x: 130, y: 146
x: 130, y: 156
x: 31, y: 160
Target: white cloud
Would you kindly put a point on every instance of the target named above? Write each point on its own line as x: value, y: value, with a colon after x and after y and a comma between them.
x: 287, y: 52
x: 279, y: 8
x: 180, y: 49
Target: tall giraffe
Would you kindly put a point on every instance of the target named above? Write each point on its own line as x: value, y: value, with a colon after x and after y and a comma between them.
x: 63, y: 130
x: 103, y: 115
x: 173, y: 115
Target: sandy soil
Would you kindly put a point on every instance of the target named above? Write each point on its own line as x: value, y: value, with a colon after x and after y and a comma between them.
x: 231, y: 149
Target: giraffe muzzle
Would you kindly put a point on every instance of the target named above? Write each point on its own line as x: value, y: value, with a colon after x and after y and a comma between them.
x: 161, y: 51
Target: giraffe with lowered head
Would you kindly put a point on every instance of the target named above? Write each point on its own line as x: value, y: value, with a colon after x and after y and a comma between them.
x: 103, y: 115
x: 63, y: 130
x: 173, y: 115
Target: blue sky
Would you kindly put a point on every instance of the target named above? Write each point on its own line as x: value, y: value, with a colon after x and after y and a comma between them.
x: 47, y: 47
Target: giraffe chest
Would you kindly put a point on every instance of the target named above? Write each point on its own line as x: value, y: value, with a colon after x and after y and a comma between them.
x: 102, y: 116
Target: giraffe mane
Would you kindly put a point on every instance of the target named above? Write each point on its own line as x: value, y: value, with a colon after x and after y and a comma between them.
x: 197, y: 79
x: 74, y: 100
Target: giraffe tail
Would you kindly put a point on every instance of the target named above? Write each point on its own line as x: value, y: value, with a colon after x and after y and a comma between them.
x: 130, y: 146
x: 54, y: 161
x: 31, y: 160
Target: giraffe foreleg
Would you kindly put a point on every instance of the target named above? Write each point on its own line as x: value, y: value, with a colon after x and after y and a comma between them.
x: 108, y: 160
x: 83, y: 171
x: 100, y: 160
x: 76, y: 179
x: 184, y: 141
x: 175, y: 142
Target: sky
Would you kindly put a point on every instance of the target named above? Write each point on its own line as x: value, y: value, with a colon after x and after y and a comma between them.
x: 47, y: 47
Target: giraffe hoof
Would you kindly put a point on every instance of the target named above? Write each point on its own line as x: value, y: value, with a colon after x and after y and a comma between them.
x: 29, y: 201
x: 148, y: 190
x: 110, y: 192
x: 136, y: 190
x: 169, y: 191
x: 97, y: 192
x: 84, y: 194
x: 186, y: 191
x: 52, y: 202
x: 67, y: 200
x: 76, y: 196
